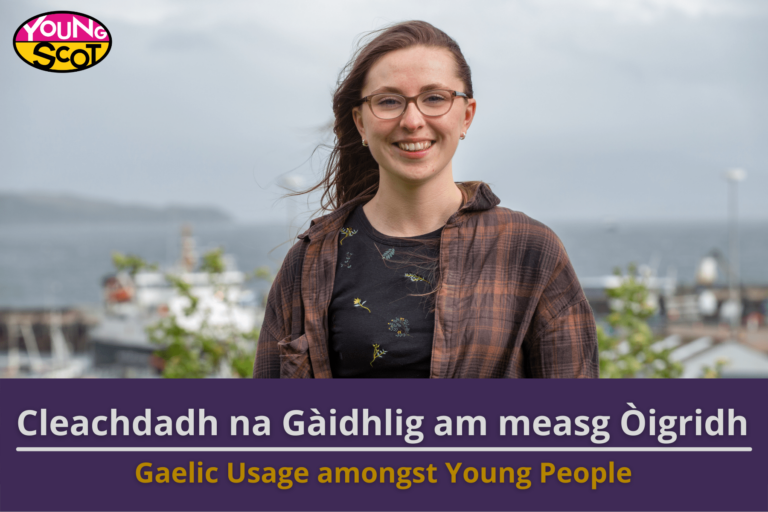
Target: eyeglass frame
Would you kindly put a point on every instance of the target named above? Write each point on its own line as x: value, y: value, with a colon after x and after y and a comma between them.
x: 412, y: 99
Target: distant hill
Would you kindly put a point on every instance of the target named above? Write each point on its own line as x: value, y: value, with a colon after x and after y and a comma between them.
x: 19, y: 208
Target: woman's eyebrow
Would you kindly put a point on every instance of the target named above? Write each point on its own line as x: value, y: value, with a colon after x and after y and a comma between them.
x: 427, y: 87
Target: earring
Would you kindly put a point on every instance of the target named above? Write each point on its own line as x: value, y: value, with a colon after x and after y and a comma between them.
x: 463, y: 135
x: 365, y: 143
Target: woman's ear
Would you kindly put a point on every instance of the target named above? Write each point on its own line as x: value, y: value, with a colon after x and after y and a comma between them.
x: 357, y: 116
x: 469, y: 113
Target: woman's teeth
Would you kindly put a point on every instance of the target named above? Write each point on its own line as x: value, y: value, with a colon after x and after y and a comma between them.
x: 414, y: 146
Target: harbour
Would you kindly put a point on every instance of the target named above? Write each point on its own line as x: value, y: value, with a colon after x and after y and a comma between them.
x: 100, y: 338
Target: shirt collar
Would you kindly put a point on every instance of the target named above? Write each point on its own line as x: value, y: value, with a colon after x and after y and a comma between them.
x: 479, y: 197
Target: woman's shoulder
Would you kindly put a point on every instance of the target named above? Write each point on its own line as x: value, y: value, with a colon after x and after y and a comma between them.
x: 296, y: 253
x: 330, y: 222
x: 519, y: 226
x: 290, y: 269
x: 533, y: 246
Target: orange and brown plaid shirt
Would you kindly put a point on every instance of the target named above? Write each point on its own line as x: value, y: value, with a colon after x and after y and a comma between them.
x: 510, y: 304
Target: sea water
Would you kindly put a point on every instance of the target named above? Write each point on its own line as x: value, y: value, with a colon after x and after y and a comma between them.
x: 46, y: 265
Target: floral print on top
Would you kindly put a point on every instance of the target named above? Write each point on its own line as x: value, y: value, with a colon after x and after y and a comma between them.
x: 347, y: 232
x: 346, y: 263
x: 377, y: 352
x: 400, y: 326
x: 373, y: 307
x: 415, y: 277
x: 359, y: 304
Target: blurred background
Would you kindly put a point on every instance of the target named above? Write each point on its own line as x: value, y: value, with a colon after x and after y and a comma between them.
x: 636, y: 130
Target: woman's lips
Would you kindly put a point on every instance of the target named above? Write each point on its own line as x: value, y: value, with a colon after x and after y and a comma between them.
x: 414, y: 154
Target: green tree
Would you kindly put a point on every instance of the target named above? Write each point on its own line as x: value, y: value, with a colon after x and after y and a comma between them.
x: 716, y: 371
x: 130, y: 263
x: 630, y: 351
x: 211, y: 349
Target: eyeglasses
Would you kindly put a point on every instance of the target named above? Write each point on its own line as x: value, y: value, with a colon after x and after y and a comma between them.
x: 430, y: 103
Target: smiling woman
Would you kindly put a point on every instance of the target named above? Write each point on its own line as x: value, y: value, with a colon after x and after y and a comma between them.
x: 412, y: 274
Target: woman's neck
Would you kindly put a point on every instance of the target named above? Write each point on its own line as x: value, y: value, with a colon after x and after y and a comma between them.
x: 404, y: 209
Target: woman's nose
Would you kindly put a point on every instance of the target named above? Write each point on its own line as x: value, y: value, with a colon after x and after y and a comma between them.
x: 412, y: 118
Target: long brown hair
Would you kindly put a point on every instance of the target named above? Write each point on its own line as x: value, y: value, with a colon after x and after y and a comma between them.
x: 351, y: 170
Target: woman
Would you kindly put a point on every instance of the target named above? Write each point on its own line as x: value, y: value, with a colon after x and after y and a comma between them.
x: 411, y: 274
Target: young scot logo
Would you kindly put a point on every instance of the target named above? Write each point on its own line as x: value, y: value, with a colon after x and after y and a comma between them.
x: 62, y: 41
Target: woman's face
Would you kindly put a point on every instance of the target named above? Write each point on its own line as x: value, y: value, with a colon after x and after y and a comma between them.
x: 409, y: 72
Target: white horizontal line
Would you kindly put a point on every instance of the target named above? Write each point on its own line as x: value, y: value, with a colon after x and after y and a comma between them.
x: 308, y: 449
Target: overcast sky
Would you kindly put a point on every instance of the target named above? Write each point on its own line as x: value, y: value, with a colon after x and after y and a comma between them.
x: 588, y: 109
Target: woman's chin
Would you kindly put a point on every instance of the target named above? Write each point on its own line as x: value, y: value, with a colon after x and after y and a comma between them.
x: 413, y: 174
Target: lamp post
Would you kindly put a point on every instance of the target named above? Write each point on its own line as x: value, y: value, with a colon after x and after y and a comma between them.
x: 734, y: 176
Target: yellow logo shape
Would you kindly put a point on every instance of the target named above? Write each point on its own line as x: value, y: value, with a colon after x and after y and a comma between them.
x: 62, y: 41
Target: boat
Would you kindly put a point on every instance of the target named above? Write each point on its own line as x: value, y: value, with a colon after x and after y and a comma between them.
x: 134, y: 301
x: 47, y: 351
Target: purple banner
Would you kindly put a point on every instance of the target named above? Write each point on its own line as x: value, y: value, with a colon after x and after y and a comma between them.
x: 384, y: 445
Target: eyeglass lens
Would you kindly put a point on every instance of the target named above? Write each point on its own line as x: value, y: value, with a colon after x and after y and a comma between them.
x: 430, y: 103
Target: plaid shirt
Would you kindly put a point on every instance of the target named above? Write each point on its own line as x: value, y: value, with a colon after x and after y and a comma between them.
x: 510, y: 304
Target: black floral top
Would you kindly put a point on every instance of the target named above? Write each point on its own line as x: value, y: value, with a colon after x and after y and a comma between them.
x: 381, y: 321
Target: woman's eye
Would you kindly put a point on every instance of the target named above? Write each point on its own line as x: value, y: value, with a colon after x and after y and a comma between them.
x: 389, y: 102
x: 434, y: 99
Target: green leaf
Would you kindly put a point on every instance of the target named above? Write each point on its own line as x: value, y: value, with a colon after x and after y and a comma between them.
x: 213, y: 261
x: 130, y: 263
x: 626, y: 352
x: 198, y: 354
